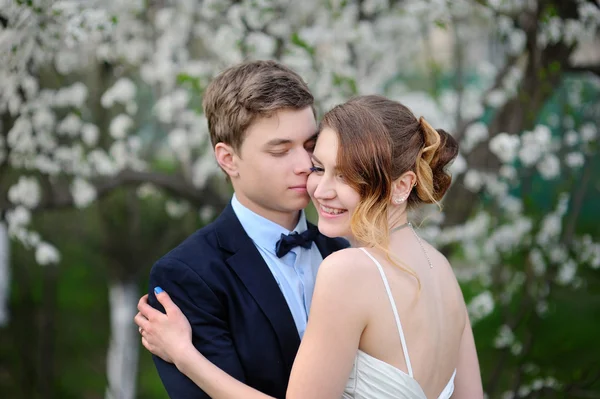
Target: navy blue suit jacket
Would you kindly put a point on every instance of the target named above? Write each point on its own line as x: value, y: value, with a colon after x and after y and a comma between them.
x: 240, y: 319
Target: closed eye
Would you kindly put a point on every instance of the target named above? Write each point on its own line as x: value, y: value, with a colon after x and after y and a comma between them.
x: 278, y: 153
x: 317, y: 169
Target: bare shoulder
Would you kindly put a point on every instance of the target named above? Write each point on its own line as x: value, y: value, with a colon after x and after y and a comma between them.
x: 348, y: 266
x: 437, y: 258
x: 345, y: 260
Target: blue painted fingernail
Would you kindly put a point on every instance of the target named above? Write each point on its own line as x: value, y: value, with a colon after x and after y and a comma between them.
x: 157, y: 290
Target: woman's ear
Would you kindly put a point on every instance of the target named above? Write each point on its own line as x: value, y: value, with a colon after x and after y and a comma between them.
x: 403, y: 186
x: 226, y: 158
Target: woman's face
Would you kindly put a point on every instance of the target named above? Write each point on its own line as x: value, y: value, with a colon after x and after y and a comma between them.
x: 334, y: 200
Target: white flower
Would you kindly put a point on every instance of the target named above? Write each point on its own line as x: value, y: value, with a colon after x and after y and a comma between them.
x: 71, y: 96
x: 43, y: 120
x: 532, y: 147
x: 566, y: 273
x: 516, y: 348
x: 588, y: 132
x: 176, y: 209
x: 572, y: 31
x: 46, y: 254
x: 120, y: 125
x: 169, y: 105
x: 475, y: 134
x: 18, y: 217
x: 550, y: 230
x: 203, y: 169
x: 505, y: 337
x: 508, y: 172
x: 147, y: 190
x: 122, y: 92
x: 513, y: 206
x: 524, y: 391
x: 70, y: 126
x: 541, y: 308
x: 458, y: 166
x: 26, y: 192
x: 90, y: 134
x: 516, y: 41
x: 496, y: 98
x: 571, y: 138
x: 83, y: 192
x: 505, y: 146
x: 473, y: 180
x: 481, y: 306
x: 102, y: 163
x: 537, y: 261
x: 262, y: 44
x: 179, y: 143
x: 574, y: 160
x: 558, y: 254
x: 120, y: 154
x: 549, y: 167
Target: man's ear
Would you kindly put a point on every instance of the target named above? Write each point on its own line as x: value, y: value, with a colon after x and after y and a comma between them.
x: 226, y: 158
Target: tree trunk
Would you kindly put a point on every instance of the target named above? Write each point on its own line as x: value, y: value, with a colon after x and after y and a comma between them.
x: 4, y: 274
x: 47, y: 333
x: 122, y: 359
x: 543, y: 73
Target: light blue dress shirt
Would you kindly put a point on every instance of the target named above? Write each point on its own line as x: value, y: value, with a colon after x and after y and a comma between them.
x: 295, y: 272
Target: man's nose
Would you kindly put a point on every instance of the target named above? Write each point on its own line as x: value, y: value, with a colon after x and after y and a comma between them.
x: 303, y: 163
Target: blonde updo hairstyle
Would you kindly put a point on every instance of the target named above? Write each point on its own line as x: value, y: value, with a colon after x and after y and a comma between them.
x: 379, y: 141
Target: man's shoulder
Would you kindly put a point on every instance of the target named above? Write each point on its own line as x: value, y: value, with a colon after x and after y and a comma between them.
x: 199, y: 252
x: 333, y: 244
x: 339, y: 243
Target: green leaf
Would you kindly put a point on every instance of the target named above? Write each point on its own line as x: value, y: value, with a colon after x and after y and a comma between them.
x: 301, y: 43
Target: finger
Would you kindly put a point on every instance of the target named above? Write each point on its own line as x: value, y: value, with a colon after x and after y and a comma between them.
x: 165, y: 300
x: 141, y: 321
x: 147, y: 344
x: 148, y: 311
x: 143, y: 300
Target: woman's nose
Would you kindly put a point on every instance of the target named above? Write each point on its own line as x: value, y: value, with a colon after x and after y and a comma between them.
x: 324, y: 190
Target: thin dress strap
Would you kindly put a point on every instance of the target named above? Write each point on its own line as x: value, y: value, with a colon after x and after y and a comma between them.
x: 398, y: 324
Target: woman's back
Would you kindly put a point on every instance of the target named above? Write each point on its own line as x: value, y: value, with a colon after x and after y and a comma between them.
x: 432, y: 320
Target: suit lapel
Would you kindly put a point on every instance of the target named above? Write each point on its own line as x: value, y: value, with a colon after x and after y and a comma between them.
x: 254, y: 273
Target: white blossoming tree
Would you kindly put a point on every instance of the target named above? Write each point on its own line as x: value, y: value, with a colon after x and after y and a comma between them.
x: 100, y: 95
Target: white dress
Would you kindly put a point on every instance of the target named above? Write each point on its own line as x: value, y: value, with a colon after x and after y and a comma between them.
x: 372, y: 378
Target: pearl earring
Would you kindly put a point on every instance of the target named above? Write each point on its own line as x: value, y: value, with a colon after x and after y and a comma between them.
x: 398, y: 200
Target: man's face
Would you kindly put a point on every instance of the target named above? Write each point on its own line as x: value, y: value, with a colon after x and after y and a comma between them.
x: 274, y: 163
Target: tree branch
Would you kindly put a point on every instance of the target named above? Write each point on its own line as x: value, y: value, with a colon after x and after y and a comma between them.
x: 510, y: 63
x: 172, y: 184
x: 591, y: 68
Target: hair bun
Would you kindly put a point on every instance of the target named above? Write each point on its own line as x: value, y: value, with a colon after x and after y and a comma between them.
x: 444, y: 155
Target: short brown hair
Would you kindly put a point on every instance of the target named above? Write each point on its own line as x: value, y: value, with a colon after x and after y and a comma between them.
x: 379, y: 140
x: 241, y: 93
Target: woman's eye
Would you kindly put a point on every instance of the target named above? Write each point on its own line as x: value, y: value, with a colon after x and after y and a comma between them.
x: 316, y: 169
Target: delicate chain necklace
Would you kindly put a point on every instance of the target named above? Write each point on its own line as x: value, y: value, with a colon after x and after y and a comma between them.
x: 409, y: 224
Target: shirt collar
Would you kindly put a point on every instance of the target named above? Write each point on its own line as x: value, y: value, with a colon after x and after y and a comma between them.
x: 264, y: 232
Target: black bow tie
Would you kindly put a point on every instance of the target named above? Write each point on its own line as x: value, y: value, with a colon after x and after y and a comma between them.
x: 295, y: 239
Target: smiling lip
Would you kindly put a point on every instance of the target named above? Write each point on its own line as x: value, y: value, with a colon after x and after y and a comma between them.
x: 330, y: 215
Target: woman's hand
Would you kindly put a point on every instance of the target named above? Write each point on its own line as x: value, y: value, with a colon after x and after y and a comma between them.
x: 168, y: 336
